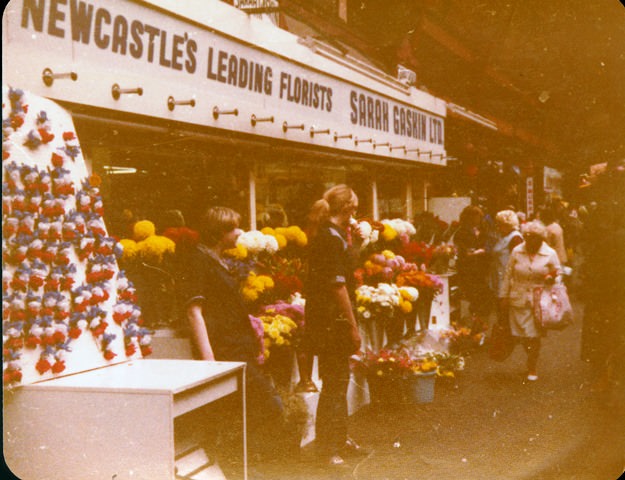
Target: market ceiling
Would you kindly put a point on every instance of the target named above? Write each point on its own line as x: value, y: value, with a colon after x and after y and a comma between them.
x: 551, y: 74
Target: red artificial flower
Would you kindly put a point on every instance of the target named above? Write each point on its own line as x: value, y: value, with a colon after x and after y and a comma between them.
x: 67, y: 136
x: 18, y: 284
x: 58, y: 366
x: 17, y: 121
x: 100, y: 328
x: 74, y: 332
x: 66, y: 189
x: 57, y: 160
x: 59, y: 337
x: 46, y: 137
x: 43, y: 366
x: 109, y: 355
x: 9, y: 229
x: 131, y: 349
x: 120, y: 317
x: 81, y: 307
x: 5, y: 154
x: 11, y: 376
x: 36, y: 282
x: 32, y: 342
x: 67, y: 283
x: 18, y: 315
x: 14, y: 343
x: 52, y: 285
x: 146, y: 350
x: 62, y: 259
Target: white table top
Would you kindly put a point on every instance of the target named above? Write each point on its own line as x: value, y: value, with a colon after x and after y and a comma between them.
x: 145, y: 376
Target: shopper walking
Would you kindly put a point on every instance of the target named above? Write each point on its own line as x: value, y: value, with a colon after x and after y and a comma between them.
x: 220, y: 326
x: 555, y: 234
x: 531, y: 265
x: 507, y: 224
x: 331, y: 326
x: 473, y: 265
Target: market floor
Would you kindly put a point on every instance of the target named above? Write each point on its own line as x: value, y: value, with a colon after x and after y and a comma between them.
x: 488, y: 423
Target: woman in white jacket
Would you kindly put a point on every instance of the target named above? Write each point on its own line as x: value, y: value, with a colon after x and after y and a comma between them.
x: 532, y: 264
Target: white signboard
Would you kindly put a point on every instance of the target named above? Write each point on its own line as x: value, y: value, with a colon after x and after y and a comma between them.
x: 126, y: 56
x: 529, y: 194
x: 552, y: 181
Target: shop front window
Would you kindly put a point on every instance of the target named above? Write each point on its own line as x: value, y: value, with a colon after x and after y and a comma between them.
x: 392, y: 195
x: 286, y: 190
x: 170, y: 180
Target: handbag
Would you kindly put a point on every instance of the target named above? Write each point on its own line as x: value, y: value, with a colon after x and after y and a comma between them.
x: 501, y: 343
x: 552, y: 307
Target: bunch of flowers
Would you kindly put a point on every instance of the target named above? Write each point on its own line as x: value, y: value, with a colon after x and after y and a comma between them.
x: 420, y: 253
x: 386, y: 363
x: 397, y: 227
x: 145, y: 245
x: 461, y: 338
x: 182, y: 236
x: 384, y: 300
x: 256, y: 287
x: 254, y: 243
x: 380, y: 267
x: 279, y: 330
x: 426, y: 283
x: 441, y: 256
x: 291, y: 236
x: 369, y: 231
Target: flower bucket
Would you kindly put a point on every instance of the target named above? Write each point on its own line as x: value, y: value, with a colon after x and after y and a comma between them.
x: 424, y: 308
x: 420, y: 387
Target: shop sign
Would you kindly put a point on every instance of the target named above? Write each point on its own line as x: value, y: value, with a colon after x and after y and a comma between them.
x: 529, y: 196
x: 163, y: 66
x: 552, y: 181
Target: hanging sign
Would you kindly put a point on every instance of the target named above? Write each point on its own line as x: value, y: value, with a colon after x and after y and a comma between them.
x: 136, y: 58
x: 529, y: 195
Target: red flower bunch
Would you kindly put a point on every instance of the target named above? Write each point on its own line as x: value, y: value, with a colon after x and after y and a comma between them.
x: 423, y: 281
x: 417, y: 252
x: 182, y: 236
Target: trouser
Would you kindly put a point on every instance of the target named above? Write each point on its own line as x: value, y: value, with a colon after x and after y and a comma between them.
x: 331, y: 423
x: 532, y: 349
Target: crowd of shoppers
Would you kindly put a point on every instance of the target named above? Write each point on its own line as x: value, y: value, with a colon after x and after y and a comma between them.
x: 501, y: 261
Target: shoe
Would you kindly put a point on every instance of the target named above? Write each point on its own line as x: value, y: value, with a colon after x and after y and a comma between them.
x: 353, y: 448
x: 336, y: 460
x: 306, y: 387
x: 532, y: 377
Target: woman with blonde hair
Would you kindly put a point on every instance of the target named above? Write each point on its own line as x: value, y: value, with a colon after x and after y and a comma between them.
x: 507, y: 223
x: 533, y: 264
x: 331, y: 328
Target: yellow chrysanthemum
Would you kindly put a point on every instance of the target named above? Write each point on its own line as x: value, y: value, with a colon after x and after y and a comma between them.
x: 130, y: 249
x: 405, y: 307
x: 388, y: 254
x: 267, y: 282
x: 239, y: 252
x: 249, y: 294
x: 268, y: 231
x: 143, y: 229
x: 281, y: 239
x: 389, y: 234
x: 154, y: 247
x: 301, y: 239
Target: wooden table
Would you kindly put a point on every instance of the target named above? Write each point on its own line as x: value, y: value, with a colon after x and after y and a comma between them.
x: 116, y: 422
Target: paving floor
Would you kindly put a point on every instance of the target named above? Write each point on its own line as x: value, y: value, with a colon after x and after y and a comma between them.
x: 487, y: 423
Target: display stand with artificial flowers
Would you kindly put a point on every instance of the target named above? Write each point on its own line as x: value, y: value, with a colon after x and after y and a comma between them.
x: 67, y: 307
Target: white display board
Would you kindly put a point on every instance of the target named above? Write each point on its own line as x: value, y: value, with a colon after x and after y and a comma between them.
x: 66, y: 305
x: 448, y: 209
